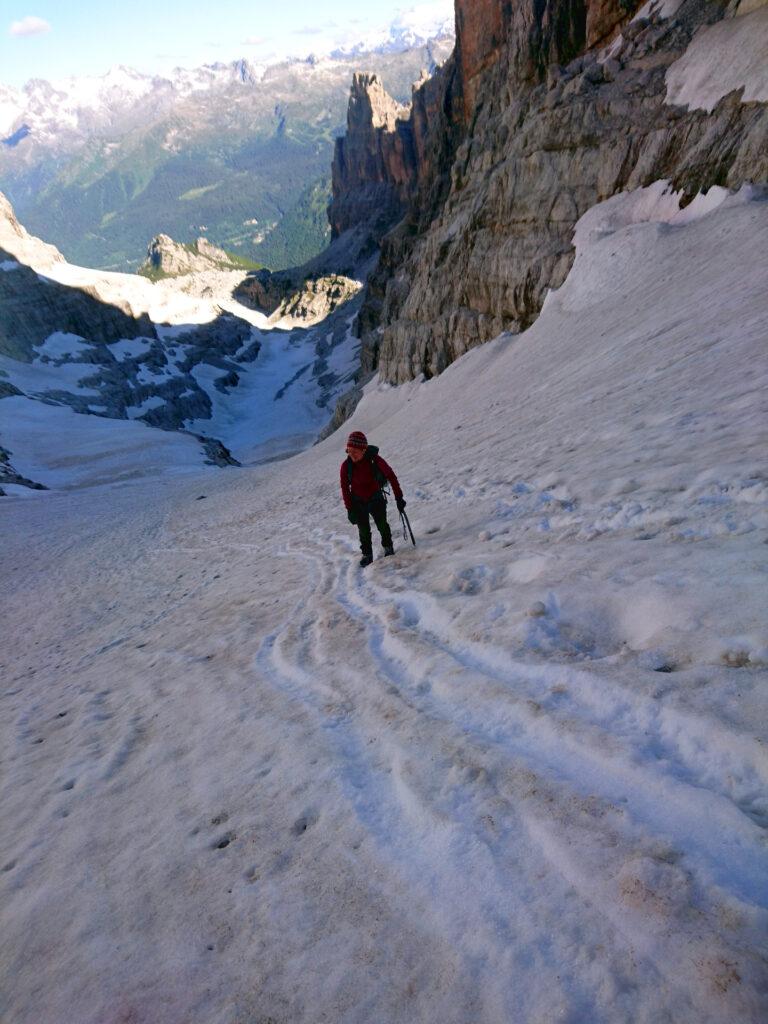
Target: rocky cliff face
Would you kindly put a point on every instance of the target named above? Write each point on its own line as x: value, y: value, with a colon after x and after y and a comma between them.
x: 422, y: 151
x: 374, y: 163
x: 34, y: 306
x: 526, y: 127
x: 301, y: 301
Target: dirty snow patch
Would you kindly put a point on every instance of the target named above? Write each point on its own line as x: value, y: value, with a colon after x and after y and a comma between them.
x: 656, y: 204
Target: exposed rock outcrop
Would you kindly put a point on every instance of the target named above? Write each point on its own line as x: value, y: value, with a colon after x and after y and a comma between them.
x: 303, y: 302
x: 17, y: 241
x: 216, y: 453
x: 379, y: 166
x: 8, y: 474
x: 527, y: 127
x: 166, y: 258
x: 392, y: 158
x: 316, y: 289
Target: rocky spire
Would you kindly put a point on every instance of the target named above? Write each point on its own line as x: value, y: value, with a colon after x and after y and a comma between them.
x: 374, y: 163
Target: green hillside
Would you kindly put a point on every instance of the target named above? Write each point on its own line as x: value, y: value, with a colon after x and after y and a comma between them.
x: 214, y: 188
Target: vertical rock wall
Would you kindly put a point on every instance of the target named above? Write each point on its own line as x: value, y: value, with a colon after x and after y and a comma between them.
x: 374, y: 163
x: 514, y: 138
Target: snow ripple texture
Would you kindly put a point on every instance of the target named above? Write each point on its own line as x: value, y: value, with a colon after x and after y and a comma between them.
x: 516, y: 774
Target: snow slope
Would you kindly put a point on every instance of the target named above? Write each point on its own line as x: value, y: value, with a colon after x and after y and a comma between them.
x: 516, y: 774
x: 55, y: 445
x: 731, y: 55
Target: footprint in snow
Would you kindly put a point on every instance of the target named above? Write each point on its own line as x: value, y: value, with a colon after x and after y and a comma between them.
x: 304, y: 822
x: 224, y: 841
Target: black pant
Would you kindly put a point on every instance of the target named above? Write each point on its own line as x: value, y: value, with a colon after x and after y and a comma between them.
x: 376, y: 508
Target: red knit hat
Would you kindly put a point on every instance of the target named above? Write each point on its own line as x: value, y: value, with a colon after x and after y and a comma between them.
x: 357, y: 439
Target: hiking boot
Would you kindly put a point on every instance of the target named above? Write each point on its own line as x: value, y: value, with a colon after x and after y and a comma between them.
x: 366, y: 560
x: 390, y: 550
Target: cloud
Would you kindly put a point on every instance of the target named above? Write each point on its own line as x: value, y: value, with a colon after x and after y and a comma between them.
x: 29, y: 26
x: 309, y: 30
x: 254, y: 41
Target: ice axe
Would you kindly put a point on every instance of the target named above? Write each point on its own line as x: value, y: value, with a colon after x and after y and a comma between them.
x: 407, y: 526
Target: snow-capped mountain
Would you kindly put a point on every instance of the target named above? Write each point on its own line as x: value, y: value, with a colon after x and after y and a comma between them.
x: 49, y: 107
x: 85, y: 103
x: 11, y: 108
x: 415, y: 27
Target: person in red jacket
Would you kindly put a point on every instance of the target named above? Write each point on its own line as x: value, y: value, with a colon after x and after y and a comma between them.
x: 363, y: 476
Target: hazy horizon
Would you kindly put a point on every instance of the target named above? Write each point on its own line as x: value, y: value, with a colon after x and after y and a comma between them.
x: 52, y: 42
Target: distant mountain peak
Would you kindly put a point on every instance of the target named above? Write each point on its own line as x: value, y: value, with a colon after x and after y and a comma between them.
x: 415, y: 27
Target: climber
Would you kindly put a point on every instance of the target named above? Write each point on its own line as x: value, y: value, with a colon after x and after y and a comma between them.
x: 364, y: 475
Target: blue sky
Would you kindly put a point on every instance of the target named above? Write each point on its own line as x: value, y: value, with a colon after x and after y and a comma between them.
x: 57, y: 38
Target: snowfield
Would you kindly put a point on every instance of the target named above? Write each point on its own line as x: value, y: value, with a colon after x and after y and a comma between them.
x: 56, y: 446
x: 728, y: 56
x: 516, y: 774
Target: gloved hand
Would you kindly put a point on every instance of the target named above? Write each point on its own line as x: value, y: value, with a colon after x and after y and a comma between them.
x: 400, y: 502
x: 351, y: 517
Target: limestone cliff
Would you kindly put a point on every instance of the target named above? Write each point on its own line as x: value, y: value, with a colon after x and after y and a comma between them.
x: 393, y: 158
x: 296, y: 297
x: 546, y: 108
x: 34, y: 306
x: 374, y: 163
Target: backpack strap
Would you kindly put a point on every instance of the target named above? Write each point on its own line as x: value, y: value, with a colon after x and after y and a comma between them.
x: 381, y: 480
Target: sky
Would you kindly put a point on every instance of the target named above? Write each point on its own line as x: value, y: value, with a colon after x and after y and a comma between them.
x: 54, y: 39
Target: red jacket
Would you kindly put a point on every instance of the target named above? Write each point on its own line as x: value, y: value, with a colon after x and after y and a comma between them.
x: 364, y: 484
